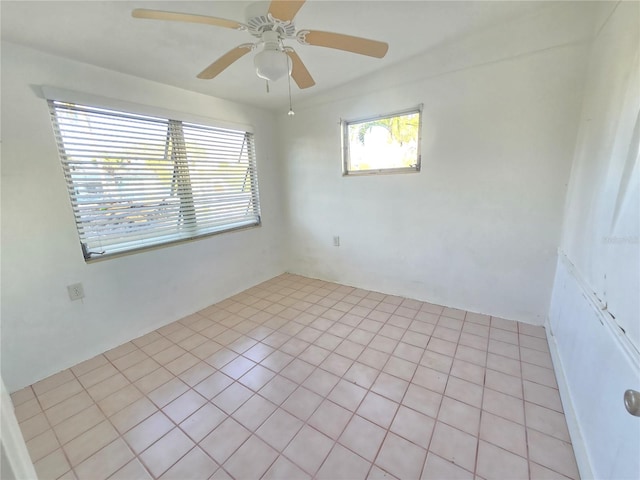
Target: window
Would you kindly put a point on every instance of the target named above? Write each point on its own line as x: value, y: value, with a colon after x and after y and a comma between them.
x: 383, y: 144
x: 137, y: 181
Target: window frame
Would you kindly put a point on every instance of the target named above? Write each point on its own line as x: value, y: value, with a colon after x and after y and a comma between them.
x: 345, y: 123
x: 183, y: 232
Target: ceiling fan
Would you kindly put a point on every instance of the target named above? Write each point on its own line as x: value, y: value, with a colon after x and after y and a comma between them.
x: 272, y: 27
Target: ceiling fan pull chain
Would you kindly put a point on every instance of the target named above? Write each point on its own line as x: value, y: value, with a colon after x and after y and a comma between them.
x: 267, y: 83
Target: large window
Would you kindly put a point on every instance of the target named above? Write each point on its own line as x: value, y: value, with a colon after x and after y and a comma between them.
x: 382, y: 144
x: 137, y: 181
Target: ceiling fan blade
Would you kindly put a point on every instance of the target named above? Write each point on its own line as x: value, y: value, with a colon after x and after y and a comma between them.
x: 299, y: 72
x: 186, y: 17
x: 224, y: 61
x: 360, y: 45
x: 285, y: 10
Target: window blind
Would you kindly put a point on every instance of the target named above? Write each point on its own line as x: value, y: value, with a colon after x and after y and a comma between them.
x: 137, y: 181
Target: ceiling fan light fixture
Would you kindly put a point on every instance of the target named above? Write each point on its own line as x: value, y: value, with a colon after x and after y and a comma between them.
x: 272, y: 64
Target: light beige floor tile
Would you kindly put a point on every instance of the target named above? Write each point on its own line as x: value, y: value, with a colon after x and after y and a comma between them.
x: 552, y: 453
x: 58, y: 394
x: 70, y: 428
x: 106, y: 461
x: 361, y: 374
x: 534, y: 343
x: 505, y: 349
x: 168, y: 392
x: 471, y: 355
x: 120, y: 351
x: 544, y: 396
x: 203, y: 421
x: 34, y: 426
x: 503, y: 405
x: 422, y: 400
x: 454, y: 445
x: 195, y: 465
x: 106, y: 387
x: 321, y: 382
x: 347, y: 395
x: 88, y: 443
x: 400, y: 457
x: 224, y: 440
x: 184, y: 406
x: 283, y: 468
x: 321, y: 351
x: 495, y: 463
x: 42, y: 445
x: 52, y: 382
x: 22, y: 395
x: 538, y: 472
x: 536, y: 357
x: 141, y: 369
x: 363, y: 437
x: 133, y: 358
x: 504, y: 433
x: 378, y: 409
x: 232, y: 398
x: 467, y: 392
x: 437, y: 361
x: 342, y: 464
x: 302, y: 403
x: 134, y: 470
x: 279, y: 429
x: 148, y: 432
x: 547, y: 421
x: 119, y: 400
x: 160, y: 456
x: 541, y: 375
x: 308, y: 449
x: 468, y: 371
x: 197, y: 373
x: 460, y: 415
x: 438, y: 468
x: 278, y: 389
x: 503, y: 383
x: 413, y: 426
x: 336, y: 364
x: 133, y: 414
x: 431, y: 379
x: 52, y: 466
x: 68, y: 408
x: 237, y: 367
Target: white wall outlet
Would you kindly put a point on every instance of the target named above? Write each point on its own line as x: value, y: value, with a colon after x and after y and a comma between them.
x: 336, y: 241
x: 76, y: 292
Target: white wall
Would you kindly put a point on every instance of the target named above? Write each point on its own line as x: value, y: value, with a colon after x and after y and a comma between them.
x: 479, y: 226
x: 601, y: 229
x: 598, y: 276
x: 42, y: 330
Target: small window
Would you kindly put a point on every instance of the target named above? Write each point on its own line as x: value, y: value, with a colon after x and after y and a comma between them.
x: 137, y: 181
x: 383, y: 144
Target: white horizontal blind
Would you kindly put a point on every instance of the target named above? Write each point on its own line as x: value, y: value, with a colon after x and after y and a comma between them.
x: 137, y: 181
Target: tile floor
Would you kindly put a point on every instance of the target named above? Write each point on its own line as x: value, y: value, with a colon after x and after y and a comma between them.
x: 298, y: 378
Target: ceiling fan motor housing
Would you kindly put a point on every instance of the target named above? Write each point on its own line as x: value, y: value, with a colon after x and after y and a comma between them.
x: 259, y: 20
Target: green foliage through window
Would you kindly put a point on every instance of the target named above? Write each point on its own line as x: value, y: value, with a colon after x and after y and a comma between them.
x: 383, y: 144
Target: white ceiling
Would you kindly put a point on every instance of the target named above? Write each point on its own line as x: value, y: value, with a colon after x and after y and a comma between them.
x: 103, y: 33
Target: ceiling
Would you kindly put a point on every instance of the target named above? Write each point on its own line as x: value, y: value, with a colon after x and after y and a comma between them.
x: 104, y: 34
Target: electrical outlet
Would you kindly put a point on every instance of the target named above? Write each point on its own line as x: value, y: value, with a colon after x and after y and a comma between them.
x: 336, y: 241
x: 76, y: 292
